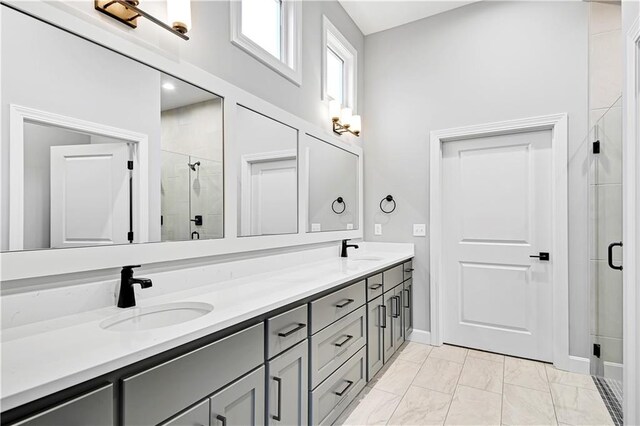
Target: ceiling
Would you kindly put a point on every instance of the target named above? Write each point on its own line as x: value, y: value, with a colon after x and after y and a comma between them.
x: 372, y: 16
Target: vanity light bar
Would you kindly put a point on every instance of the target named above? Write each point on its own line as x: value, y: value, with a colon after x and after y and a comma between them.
x: 343, y: 120
x: 128, y: 12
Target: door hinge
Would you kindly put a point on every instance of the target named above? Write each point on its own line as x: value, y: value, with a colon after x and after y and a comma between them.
x: 130, y: 165
x: 130, y: 236
x: 596, y: 350
x: 596, y: 147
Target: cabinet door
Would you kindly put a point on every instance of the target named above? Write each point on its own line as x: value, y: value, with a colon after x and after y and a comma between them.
x: 407, y: 307
x: 240, y: 404
x: 398, y: 330
x: 387, y: 334
x: 288, y: 390
x: 375, y: 348
x: 195, y: 416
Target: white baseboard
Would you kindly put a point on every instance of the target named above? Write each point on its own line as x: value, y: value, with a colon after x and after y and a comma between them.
x: 420, y: 336
x: 613, y: 370
x: 579, y: 364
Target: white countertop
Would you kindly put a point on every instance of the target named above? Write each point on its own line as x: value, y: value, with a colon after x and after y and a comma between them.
x: 42, y: 358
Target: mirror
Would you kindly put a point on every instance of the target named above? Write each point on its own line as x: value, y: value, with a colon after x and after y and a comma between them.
x: 99, y: 149
x: 267, y: 157
x: 333, y: 187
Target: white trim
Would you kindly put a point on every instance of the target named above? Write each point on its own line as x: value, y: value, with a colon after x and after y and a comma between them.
x: 246, y: 161
x: 19, y: 115
x: 290, y: 65
x: 333, y: 38
x: 579, y: 365
x: 631, y: 230
x: 420, y: 336
x: 557, y: 123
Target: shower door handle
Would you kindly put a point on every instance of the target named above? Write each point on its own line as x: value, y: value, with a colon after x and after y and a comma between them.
x: 610, y: 255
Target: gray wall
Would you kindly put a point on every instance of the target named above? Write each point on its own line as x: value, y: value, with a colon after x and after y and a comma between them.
x: 486, y: 62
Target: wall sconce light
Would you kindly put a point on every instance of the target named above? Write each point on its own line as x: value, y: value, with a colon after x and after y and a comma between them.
x: 128, y: 12
x: 343, y: 120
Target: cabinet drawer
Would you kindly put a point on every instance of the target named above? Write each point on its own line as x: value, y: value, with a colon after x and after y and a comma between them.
x: 392, y: 277
x: 158, y: 393
x: 286, y: 330
x: 334, y: 306
x: 331, y: 347
x: 93, y: 408
x: 374, y: 286
x: 408, y: 270
x: 334, y: 394
x: 195, y: 416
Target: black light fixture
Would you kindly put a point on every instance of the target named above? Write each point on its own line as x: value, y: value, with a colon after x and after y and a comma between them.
x: 128, y: 12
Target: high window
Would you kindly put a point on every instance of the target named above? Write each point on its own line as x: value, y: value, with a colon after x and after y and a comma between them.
x: 339, y: 70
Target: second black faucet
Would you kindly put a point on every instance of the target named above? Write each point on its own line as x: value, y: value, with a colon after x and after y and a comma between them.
x: 345, y: 246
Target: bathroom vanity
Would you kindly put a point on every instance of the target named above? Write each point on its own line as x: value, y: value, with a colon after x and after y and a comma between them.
x: 294, y: 354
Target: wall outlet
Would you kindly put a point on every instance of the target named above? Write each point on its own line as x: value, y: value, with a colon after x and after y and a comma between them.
x: 315, y: 227
x: 349, y: 225
x: 377, y: 229
x: 419, y: 230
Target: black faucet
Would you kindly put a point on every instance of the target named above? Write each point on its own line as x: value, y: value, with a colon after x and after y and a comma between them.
x: 127, y: 297
x: 345, y: 246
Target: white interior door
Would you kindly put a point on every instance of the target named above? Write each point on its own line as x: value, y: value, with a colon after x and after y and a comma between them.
x: 274, y: 197
x: 89, y: 194
x: 497, y: 212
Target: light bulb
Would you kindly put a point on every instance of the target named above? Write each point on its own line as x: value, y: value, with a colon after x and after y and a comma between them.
x: 345, y: 117
x: 179, y: 15
x: 356, y: 124
x: 334, y: 110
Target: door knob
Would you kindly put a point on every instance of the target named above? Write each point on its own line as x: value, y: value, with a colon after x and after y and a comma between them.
x: 542, y: 256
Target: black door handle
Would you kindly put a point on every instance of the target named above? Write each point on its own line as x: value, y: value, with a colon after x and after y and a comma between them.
x: 610, y: 256
x: 344, y: 342
x: 343, y: 391
x: 222, y: 419
x: 342, y: 305
x: 542, y: 256
x: 278, y: 417
x: 298, y: 327
x: 383, y: 324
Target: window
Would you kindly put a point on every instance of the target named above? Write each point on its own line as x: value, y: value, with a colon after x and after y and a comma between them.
x: 269, y: 30
x: 339, y: 59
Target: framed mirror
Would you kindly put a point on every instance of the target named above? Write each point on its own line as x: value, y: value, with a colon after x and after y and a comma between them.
x: 85, y: 163
x: 333, y: 187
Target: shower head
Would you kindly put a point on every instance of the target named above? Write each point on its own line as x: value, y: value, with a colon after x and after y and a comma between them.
x: 194, y: 165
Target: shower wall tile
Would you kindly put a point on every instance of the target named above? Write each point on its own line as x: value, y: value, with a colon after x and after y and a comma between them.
x: 606, y: 127
x: 604, y: 17
x: 605, y: 69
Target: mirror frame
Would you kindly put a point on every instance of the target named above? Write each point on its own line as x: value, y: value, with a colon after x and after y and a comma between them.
x: 41, y: 263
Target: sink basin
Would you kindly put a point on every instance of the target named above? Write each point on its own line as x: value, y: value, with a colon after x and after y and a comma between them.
x: 158, y: 316
x: 365, y: 258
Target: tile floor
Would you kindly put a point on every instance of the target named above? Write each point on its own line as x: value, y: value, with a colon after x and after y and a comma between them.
x: 426, y: 385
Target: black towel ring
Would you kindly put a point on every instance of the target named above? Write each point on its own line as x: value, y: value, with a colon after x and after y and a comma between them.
x: 388, y: 198
x: 338, y: 200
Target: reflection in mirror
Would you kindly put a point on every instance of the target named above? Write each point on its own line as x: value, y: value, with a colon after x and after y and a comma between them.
x: 333, y: 187
x: 268, y: 175
x: 192, y: 178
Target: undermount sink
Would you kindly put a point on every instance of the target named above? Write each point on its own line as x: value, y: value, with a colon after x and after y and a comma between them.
x: 158, y: 316
x: 365, y: 258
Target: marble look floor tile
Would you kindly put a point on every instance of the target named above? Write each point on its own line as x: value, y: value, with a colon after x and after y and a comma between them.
x: 482, y: 374
x: 485, y: 355
x: 371, y: 407
x: 414, y: 352
x: 472, y: 406
x: 570, y: 379
x: 579, y: 406
x: 439, y: 375
x: 398, y: 377
x: 523, y: 406
x: 421, y: 406
x: 522, y: 372
x: 450, y: 353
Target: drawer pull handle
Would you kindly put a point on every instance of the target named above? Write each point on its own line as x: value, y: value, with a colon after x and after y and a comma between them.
x: 341, y: 344
x: 222, y: 419
x: 342, y: 305
x: 277, y: 417
x: 397, y: 304
x: 383, y: 324
x: 409, y: 270
x: 349, y: 383
x: 298, y: 327
x: 375, y: 286
x: 408, y: 298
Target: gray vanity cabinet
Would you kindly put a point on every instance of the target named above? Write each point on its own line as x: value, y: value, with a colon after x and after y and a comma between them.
x: 195, y: 416
x: 287, y: 387
x: 375, y: 340
x: 241, y: 403
x: 407, y: 307
x: 93, y: 408
x: 392, y: 333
